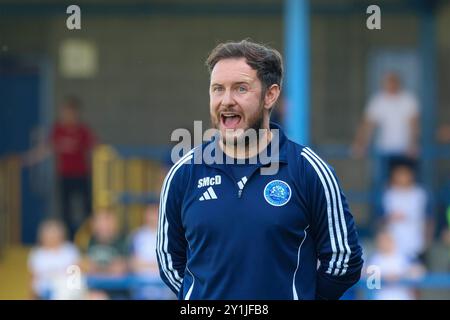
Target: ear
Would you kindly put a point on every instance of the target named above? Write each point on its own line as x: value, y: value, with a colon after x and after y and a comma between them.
x: 272, y: 94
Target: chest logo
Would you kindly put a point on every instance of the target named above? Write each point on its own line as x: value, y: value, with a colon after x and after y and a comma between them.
x: 209, y: 194
x: 277, y: 193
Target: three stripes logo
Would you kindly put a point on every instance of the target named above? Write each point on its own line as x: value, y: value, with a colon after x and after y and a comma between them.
x: 209, y: 194
x: 242, y: 182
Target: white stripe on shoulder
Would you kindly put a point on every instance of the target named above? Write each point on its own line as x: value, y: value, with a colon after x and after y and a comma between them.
x: 341, y: 213
x: 162, y: 239
x: 170, y: 272
x: 323, y: 167
x: 329, y: 213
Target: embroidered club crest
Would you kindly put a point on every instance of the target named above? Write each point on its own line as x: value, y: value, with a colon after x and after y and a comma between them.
x: 277, y: 193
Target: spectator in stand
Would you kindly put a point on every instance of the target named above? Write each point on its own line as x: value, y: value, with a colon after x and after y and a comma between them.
x: 446, y: 237
x: 407, y: 213
x: 393, y: 267
x: 443, y: 136
x: 71, y: 141
x: 393, y: 115
x: 106, y: 255
x: 49, y: 260
x: 106, y: 252
x: 143, y: 259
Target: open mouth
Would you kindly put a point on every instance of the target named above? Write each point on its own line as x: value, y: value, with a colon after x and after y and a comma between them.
x: 230, y: 120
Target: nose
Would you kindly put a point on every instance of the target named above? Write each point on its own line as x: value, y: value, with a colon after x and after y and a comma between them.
x: 227, y: 99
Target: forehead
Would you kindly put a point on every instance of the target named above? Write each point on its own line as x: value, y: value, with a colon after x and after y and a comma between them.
x: 232, y: 70
x: 402, y: 170
x: 51, y: 227
x: 391, y: 77
x: 67, y: 107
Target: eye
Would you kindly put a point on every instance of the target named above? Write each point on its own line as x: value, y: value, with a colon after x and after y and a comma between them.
x: 242, y: 89
x: 217, y: 89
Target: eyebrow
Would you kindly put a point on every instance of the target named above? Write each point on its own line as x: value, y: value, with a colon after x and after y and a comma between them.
x: 234, y: 83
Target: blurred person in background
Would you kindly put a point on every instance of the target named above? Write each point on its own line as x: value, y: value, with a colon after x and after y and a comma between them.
x: 406, y: 213
x: 393, y: 266
x: 446, y: 237
x: 71, y: 141
x: 143, y: 261
x: 106, y: 254
x: 49, y: 260
x: 393, y: 116
x: 443, y: 136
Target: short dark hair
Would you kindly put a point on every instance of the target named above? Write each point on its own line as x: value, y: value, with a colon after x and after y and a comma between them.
x: 401, y: 162
x: 72, y: 102
x: 267, y: 61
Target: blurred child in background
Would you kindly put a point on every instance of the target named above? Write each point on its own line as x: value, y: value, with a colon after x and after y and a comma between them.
x: 394, y: 267
x: 106, y: 254
x: 143, y: 258
x: 446, y: 238
x: 443, y: 136
x: 406, y: 213
x: 49, y: 261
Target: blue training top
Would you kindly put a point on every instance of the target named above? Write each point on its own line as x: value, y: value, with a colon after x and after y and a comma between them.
x: 285, y: 236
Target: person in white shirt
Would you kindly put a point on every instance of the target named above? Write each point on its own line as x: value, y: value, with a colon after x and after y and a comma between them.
x: 392, y: 117
x: 393, y: 114
x: 144, y: 262
x: 393, y: 267
x: 49, y: 261
x: 406, y: 213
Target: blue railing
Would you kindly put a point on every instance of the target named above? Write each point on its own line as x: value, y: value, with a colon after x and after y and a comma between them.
x: 128, y: 281
x: 434, y: 281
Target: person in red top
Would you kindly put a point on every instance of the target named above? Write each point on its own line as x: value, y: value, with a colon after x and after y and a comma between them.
x: 72, y: 142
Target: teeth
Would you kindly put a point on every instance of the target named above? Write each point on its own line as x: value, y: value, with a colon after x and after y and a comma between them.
x: 229, y: 115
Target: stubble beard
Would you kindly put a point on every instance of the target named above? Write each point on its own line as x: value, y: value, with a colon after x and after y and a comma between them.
x: 256, y: 123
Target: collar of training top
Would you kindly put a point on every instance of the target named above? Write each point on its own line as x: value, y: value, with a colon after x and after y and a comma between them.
x: 276, y: 149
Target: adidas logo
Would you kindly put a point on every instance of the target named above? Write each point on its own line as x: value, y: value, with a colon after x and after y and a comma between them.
x: 209, y: 194
x: 242, y: 182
